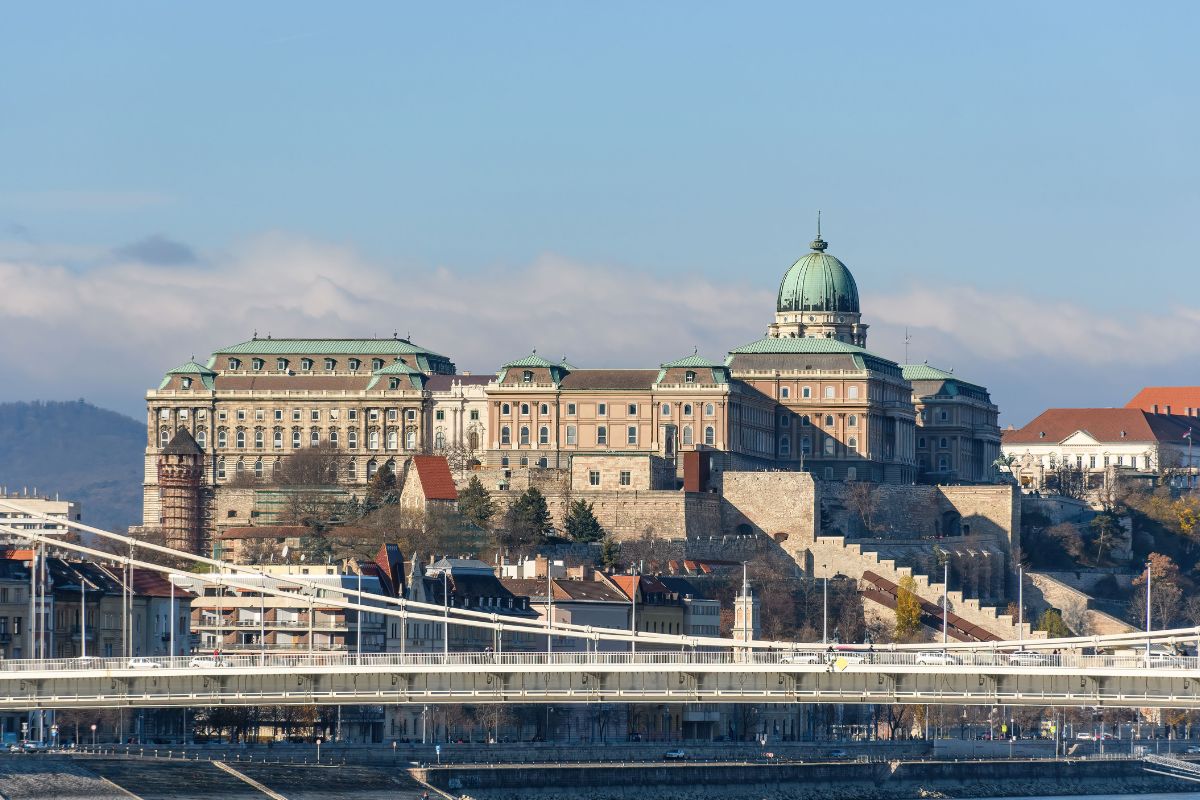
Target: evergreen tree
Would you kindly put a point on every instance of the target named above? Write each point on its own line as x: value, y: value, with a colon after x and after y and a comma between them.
x: 610, y: 553
x: 381, y: 489
x: 1052, y: 623
x: 527, y: 521
x: 581, y: 522
x: 475, y: 504
x: 908, y: 610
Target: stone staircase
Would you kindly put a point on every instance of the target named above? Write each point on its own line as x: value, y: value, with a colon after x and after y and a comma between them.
x: 832, y: 555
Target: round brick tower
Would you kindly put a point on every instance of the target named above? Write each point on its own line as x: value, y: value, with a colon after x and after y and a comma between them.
x: 180, y: 470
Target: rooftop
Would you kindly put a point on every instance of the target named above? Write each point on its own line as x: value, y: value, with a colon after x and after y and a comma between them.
x: 274, y: 346
x: 1105, y: 425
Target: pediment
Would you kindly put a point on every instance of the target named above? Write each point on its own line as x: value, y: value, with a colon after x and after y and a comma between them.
x: 1080, y: 437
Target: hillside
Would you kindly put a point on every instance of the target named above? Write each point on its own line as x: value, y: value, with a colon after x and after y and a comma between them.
x: 82, y: 452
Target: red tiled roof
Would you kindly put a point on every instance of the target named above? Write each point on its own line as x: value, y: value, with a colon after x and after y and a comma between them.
x: 1102, y: 424
x: 436, y: 481
x: 1183, y: 400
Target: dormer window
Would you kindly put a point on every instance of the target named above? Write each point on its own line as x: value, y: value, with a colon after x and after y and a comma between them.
x: 376, y: 363
x: 186, y: 383
x: 281, y: 364
x: 1041, y: 434
x: 527, y: 376
x: 257, y: 364
x: 235, y: 364
x: 354, y: 364
x: 306, y: 364
x: 330, y: 364
x: 394, y: 383
x: 689, y: 377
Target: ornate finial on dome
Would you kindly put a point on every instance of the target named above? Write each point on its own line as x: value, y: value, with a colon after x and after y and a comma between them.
x: 818, y: 244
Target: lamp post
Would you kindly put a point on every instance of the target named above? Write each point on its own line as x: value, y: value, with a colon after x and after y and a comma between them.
x: 825, y: 605
x: 1021, y: 603
x: 93, y: 736
x: 446, y: 614
x: 1149, y: 578
x: 945, y: 598
x: 82, y: 617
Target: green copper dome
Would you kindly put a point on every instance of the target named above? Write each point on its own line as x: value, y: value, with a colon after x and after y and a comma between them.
x: 818, y: 282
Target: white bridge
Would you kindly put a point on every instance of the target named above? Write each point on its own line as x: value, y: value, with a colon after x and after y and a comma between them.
x: 1129, y: 670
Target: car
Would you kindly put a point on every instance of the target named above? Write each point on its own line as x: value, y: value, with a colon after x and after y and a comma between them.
x: 937, y: 658
x: 1028, y: 658
x: 1192, y: 749
x: 678, y: 754
x: 849, y: 656
x: 87, y: 662
x: 141, y: 662
x: 1084, y: 736
x: 209, y: 662
x: 839, y: 753
x: 1165, y: 660
x: 800, y: 658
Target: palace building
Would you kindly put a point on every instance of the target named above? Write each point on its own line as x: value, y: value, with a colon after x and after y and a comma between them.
x: 808, y: 396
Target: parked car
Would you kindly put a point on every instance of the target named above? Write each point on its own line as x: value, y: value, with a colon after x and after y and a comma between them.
x: 1192, y: 749
x: 678, y: 754
x: 1084, y: 736
x: 141, y: 662
x: 209, y: 662
x: 839, y: 753
x: 937, y: 658
x: 1028, y: 658
x: 800, y: 658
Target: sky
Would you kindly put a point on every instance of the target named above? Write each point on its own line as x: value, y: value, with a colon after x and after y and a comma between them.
x: 1015, y: 185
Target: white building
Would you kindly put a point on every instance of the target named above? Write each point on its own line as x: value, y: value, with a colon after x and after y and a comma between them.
x: 54, y: 507
x: 459, y: 412
x: 1098, y: 441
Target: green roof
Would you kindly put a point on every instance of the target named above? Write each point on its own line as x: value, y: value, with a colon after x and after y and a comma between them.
x: 818, y: 282
x: 191, y: 368
x: 327, y: 347
x: 693, y: 360
x: 397, y: 368
x: 924, y: 372
x: 781, y: 344
x: 532, y: 360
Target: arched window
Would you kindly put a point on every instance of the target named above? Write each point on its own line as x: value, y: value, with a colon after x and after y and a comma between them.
x: 666, y: 409
x: 505, y: 435
x: 410, y: 439
x: 687, y: 409
x: 393, y: 439
x: 687, y: 434
x: 852, y: 420
x: 260, y: 438
x: 439, y: 439
x: 829, y: 445
x: 473, y: 440
x: 524, y: 409
x: 805, y: 445
x: 544, y: 409
x: 806, y: 392
x: 220, y: 469
x: 277, y: 439
x: 524, y: 434
x: 296, y: 442
x: 276, y: 467
x: 351, y: 470
x: 373, y: 439
x: 785, y: 446
x: 785, y: 421
x: 202, y: 438
x: 333, y: 437
x: 851, y: 473
x: 852, y: 444
x: 222, y: 438
x: 164, y: 437
x: 505, y: 409
x: 543, y: 435
x: 710, y: 435
x: 352, y: 439
x: 258, y: 469
x: 240, y: 468
x: 372, y: 468
x: 708, y: 409
x: 830, y: 392
x: 852, y: 392
x: 314, y: 437
x: 241, y: 438
x: 828, y: 420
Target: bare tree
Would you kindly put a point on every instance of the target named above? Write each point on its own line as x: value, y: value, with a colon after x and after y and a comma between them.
x: 862, y: 498
x: 321, y: 465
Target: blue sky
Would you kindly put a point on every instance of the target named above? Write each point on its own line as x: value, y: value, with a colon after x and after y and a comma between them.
x: 1010, y: 176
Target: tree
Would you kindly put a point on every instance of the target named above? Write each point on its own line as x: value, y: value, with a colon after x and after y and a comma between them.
x: 527, y: 522
x: 475, y: 504
x: 908, y: 610
x: 581, y: 522
x: 610, y: 553
x: 1052, y: 623
x: 1166, y: 594
x: 1104, y: 531
x: 319, y: 465
x: 1068, y: 537
x: 862, y: 499
x: 381, y: 489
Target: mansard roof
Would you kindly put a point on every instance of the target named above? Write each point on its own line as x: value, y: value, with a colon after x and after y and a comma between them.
x: 326, y: 347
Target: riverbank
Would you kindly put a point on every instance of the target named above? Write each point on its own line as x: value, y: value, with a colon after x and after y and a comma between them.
x: 827, y: 781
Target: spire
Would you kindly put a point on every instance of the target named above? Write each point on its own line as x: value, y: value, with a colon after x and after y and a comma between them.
x: 818, y: 244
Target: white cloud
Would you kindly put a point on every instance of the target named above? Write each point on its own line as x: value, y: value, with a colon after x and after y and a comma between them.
x: 109, y: 332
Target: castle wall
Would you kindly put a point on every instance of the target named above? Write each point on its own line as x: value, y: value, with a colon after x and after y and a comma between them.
x: 782, y: 505
x: 629, y: 514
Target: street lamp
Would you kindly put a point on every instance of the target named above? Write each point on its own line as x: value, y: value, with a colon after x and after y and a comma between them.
x: 93, y: 736
x: 319, y: 750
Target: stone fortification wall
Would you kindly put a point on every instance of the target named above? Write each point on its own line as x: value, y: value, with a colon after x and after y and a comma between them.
x: 629, y: 514
x: 782, y: 505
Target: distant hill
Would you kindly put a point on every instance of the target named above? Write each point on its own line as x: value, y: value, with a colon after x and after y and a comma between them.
x: 78, y: 450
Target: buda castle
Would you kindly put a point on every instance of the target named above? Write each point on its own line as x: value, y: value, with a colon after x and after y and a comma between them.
x: 807, y: 397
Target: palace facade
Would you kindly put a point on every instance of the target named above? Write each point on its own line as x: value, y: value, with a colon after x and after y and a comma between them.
x: 808, y: 396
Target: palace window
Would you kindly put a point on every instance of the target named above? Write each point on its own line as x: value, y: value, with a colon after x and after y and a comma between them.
x: 333, y: 437
x: 687, y: 434
x: 258, y: 469
x: 524, y: 434
x: 410, y: 414
x: 601, y: 434
x: 222, y: 441
x: 544, y: 409
x: 350, y: 470
x: 631, y: 434
x: 372, y: 468
x: 220, y: 469
x: 602, y: 409
x: 259, y: 438
x: 570, y: 409
x: 632, y: 409
x: 277, y: 439
x: 594, y: 477
x: 235, y: 364
x: 240, y: 468
x: 527, y: 376
x: 352, y: 439
x: 710, y: 435
x: 241, y: 414
x: 852, y: 444
x: 376, y: 363
x: 785, y: 392
x: 202, y: 438
x: 164, y: 437
x: 439, y: 439
x: 524, y: 409
x: 709, y: 409
x: 805, y: 445
x: 330, y: 364
x: 505, y: 409
x: 354, y: 364
x: 829, y: 446
x: 186, y: 383
x: 851, y: 473
x: 296, y: 441
x: 666, y: 409
x: 626, y: 478
x: 572, y: 437
x: 257, y: 364
x: 785, y: 421
x: 828, y: 420
x: 373, y: 439
x: 241, y: 439
x: 543, y: 435
x: 852, y: 420
x: 806, y: 392
x: 852, y: 392
x: 474, y: 415
x: 439, y: 415
x: 689, y: 377
x: 314, y: 437
x: 296, y: 415
x: 687, y: 409
x: 505, y: 435
x: 281, y: 364
x: 785, y: 446
x: 393, y: 439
